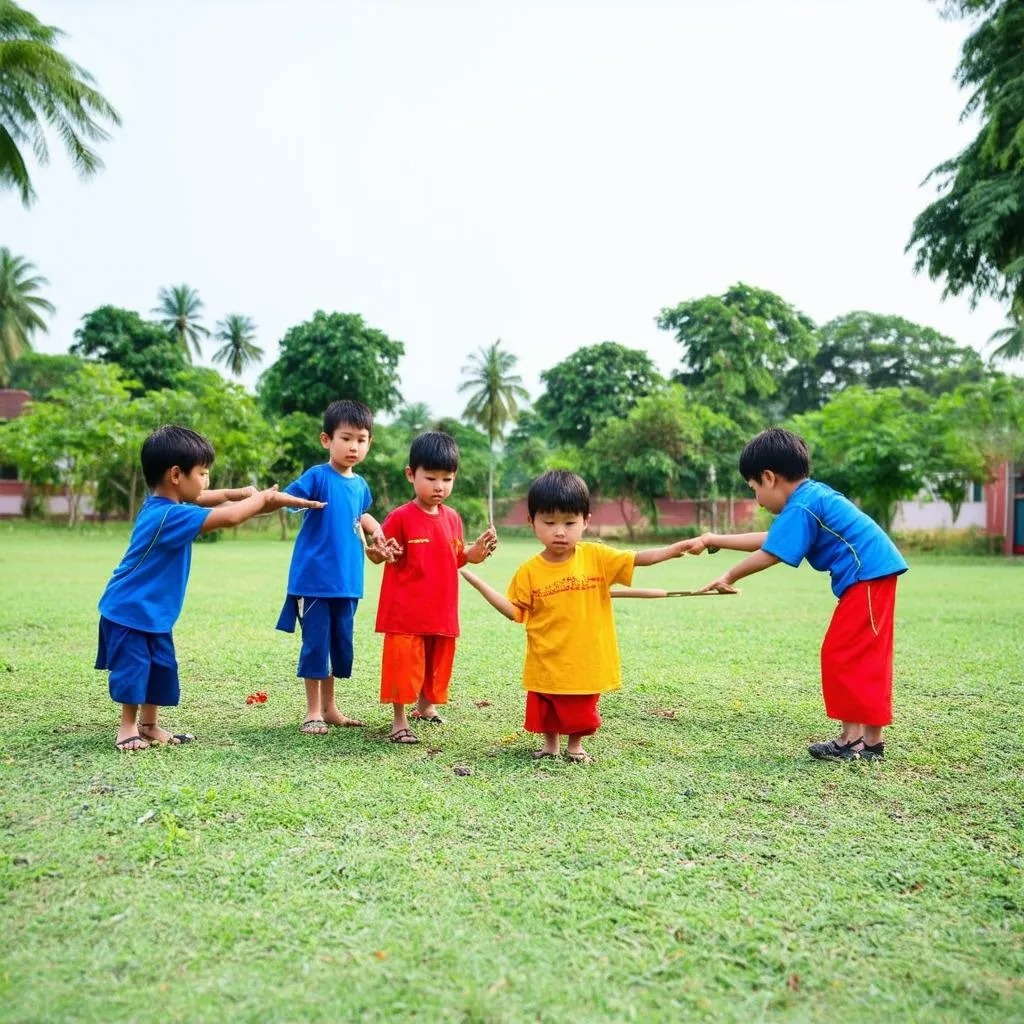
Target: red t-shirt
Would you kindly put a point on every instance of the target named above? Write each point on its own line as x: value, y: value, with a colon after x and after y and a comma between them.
x: 420, y: 591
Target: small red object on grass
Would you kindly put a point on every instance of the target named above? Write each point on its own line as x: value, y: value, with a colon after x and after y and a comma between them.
x: 259, y: 697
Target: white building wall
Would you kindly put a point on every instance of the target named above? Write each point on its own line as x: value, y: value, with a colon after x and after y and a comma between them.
x: 936, y: 515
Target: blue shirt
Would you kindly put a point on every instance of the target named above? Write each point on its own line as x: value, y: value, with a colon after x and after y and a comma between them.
x: 327, y: 560
x: 147, y: 589
x: 821, y: 525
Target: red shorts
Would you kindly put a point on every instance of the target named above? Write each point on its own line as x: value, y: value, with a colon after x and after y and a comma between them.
x: 856, y: 654
x: 412, y: 665
x: 571, y: 714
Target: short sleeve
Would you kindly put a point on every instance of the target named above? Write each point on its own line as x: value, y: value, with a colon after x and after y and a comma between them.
x: 791, y: 535
x: 181, y: 525
x: 520, y: 593
x: 617, y: 566
x: 394, y: 526
x: 307, y: 486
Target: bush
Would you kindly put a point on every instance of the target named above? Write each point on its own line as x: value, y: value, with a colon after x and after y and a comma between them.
x: 971, y: 541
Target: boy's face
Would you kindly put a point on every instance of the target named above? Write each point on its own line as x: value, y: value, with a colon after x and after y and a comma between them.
x: 348, y: 445
x: 559, y: 532
x: 431, y: 486
x: 189, y: 485
x: 768, y: 493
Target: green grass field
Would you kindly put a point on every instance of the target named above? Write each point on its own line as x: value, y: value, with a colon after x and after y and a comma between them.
x: 704, y: 868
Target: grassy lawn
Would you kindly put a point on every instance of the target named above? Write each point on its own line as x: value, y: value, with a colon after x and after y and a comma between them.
x: 704, y: 868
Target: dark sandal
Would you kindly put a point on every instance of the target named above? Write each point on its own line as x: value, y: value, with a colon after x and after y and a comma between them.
x: 176, y: 739
x: 311, y: 732
x: 833, y: 750
x: 582, y: 758
x: 431, y: 719
x: 403, y: 736
x: 122, y: 745
x: 539, y: 755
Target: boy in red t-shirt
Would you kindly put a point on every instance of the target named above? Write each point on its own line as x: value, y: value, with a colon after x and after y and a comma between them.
x: 418, y: 611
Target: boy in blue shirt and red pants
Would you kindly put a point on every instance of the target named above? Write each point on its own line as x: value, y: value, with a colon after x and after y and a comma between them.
x: 143, y: 599
x: 815, y: 522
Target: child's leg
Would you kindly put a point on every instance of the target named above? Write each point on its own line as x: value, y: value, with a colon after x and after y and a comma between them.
x: 542, y: 718
x: 128, y: 737
x: 580, y: 718
x: 439, y: 657
x: 329, y: 709
x: 402, y: 672
x: 313, y: 724
x: 342, y: 622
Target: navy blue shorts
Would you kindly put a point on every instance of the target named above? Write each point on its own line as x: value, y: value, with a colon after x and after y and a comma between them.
x: 142, y: 666
x: 327, y: 624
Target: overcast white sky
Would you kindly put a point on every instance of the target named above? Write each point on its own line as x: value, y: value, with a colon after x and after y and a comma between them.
x: 550, y: 173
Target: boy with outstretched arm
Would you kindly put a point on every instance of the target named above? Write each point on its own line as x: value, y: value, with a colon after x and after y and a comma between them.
x: 325, y: 580
x: 817, y: 523
x: 562, y: 595
x: 418, y: 612
x: 143, y: 599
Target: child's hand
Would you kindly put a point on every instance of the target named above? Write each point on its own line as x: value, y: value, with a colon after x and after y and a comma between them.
x: 483, y: 547
x: 246, y: 492
x: 721, y: 586
x: 274, y: 499
x: 387, y: 547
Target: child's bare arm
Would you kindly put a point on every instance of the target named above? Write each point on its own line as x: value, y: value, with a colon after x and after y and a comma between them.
x: 493, y: 597
x: 213, y: 498
x: 651, y: 556
x: 752, y: 563
x: 711, y: 542
x: 234, y: 513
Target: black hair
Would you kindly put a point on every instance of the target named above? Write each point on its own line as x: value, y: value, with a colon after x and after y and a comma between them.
x: 558, y: 490
x: 434, y: 450
x: 353, y: 414
x: 779, y: 450
x: 174, y: 446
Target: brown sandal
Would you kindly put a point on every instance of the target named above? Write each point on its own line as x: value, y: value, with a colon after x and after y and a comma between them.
x: 406, y: 736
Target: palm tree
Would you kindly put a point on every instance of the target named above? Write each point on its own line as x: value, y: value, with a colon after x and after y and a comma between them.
x: 1012, y: 338
x: 20, y: 309
x: 412, y: 419
x: 493, y: 403
x: 179, y: 311
x: 40, y: 88
x: 239, y: 349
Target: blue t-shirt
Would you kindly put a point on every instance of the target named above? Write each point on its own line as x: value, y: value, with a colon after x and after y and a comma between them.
x: 328, y: 557
x: 147, y: 589
x: 821, y: 525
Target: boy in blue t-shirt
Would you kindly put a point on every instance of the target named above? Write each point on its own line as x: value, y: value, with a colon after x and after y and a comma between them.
x: 143, y: 599
x: 325, y: 581
x: 817, y: 523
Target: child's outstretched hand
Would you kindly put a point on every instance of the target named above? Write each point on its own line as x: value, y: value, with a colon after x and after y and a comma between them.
x: 483, y: 547
x: 274, y: 499
x: 387, y: 547
x: 720, y: 586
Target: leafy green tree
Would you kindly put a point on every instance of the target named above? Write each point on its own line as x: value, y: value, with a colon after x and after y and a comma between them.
x: 332, y: 356
x: 21, y: 308
x: 41, y: 89
x: 180, y: 310
x: 638, y: 458
x: 72, y: 438
x: 39, y: 373
x: 146, y: 352
x: 412, y: 419
x: 595, y: 384
x: 297, y: 448
x: 972, y: 235
x: 239, y: 349
x: 738, y: 348
x: 1011, y: 341
x: 871, y: 445
x: 878, y: 351
x: 530, y: 450
x: 495, y: 394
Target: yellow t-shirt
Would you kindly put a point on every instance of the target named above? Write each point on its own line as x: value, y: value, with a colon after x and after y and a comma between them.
x: 570, y: 629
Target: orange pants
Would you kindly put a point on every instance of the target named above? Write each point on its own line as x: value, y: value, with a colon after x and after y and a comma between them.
x: 412, y: 665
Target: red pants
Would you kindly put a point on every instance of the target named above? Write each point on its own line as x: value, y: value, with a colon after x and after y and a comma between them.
x: 571, y: 714
x: 856, y: 655
x: 412, y: 665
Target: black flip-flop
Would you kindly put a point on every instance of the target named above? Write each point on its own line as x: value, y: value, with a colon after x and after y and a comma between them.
x: 181, y: 737
x: 431, y: 720
x: 122, y: 745
x: 399, y: 737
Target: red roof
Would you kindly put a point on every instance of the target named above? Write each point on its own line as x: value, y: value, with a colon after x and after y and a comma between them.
x: 11, y: 402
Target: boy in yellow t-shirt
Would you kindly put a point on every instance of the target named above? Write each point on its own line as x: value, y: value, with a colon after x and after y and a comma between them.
x: 562, y: 596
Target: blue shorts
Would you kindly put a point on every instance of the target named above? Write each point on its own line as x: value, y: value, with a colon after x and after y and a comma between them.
x: 327, y: 624
x: 142, y: 666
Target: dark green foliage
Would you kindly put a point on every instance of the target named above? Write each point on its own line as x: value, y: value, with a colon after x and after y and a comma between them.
x: 973, y: 234
x: 39, y: 373
x: 332, y: 356
x: 593, y: 385
x: 146, y: 352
